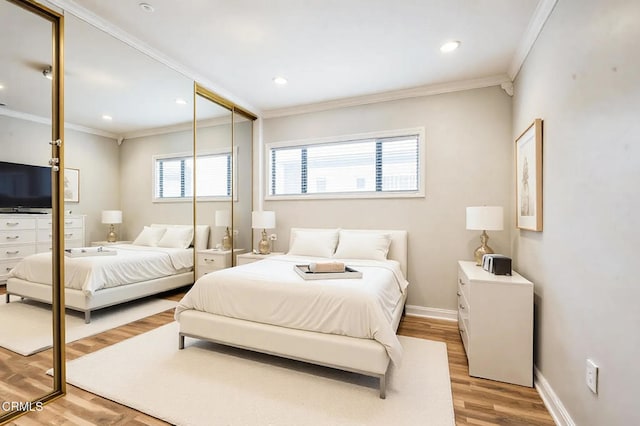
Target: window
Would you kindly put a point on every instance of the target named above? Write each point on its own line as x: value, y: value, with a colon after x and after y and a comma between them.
x: 174, y: 176
x: 387, y: 165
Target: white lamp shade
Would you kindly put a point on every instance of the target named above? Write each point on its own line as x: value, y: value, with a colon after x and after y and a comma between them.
x: 485, y: 218
x: 263, y: 220
x: 111, y: 216
x: 223, y: 218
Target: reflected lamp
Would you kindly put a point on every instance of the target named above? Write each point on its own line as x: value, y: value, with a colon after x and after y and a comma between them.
x: 223, y: 218
x: 111, y: 218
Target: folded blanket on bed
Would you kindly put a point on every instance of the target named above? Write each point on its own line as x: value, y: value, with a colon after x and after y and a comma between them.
x: 85, y: 250
x: 326, y: 267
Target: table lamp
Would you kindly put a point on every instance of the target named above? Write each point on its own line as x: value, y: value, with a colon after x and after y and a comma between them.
x: 263, y: 220
x: 112, y: 218
x: 223, y: 218
x: 484, y: 219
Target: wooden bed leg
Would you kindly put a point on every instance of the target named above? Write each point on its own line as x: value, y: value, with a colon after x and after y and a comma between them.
x: 8, y: 298
x: 180, y: 341
x: 87, y: 317
x: 383, y: 386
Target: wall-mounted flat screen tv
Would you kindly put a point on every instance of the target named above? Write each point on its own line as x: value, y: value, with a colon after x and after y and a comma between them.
x: 24, y: 186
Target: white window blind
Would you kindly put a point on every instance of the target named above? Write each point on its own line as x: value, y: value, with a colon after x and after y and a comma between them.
x: 382, y: 165
x: 174, y: 176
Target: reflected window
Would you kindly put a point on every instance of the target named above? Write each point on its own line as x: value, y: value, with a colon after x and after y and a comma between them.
x: 173, y: 176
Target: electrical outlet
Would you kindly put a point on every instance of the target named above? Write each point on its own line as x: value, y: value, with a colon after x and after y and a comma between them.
x: 592, y: 376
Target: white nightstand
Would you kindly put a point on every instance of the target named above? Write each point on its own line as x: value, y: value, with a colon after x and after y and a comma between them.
x: 495, y: 318
x: 106, y: 243
x: 212, y: 260
x: 243, y: 259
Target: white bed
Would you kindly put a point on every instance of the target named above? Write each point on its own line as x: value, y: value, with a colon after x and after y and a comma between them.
x: 349, y: 324
x: 135, y: 271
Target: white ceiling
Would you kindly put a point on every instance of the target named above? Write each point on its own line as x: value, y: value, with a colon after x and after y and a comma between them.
x: 327, y: 49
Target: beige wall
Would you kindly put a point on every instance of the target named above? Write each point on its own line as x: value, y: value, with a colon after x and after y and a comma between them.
x: 96, y: 157
x: 583, y: 78
x: 468, y: 162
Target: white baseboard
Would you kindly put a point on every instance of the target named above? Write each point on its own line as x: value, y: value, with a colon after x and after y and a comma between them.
x: 437, y: 313
x: 560, y: 414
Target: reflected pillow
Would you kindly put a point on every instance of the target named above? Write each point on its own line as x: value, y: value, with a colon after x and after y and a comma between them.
x: 363, y: 245
x: 149, y: 236
x: 176, y: 238
x: 313, y: 242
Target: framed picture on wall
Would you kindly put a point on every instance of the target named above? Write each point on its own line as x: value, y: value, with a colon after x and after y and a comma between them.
x: 71, y: 185
x: 529, y: 178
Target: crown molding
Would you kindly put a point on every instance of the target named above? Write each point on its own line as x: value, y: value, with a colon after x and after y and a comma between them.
x: 540, y: 16
x: 70, y: 6
x: 433, y: 89
x: 188, y: 126
x: 45, y: 120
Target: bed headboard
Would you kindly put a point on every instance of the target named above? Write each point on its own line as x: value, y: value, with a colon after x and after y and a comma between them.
x: 397, y: 248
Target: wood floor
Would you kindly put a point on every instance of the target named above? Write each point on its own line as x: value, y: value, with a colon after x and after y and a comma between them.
x: 476, y: 401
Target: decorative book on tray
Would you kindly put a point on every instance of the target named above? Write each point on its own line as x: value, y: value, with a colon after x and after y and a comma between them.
x: 326, y: 271
x: 88, y: 251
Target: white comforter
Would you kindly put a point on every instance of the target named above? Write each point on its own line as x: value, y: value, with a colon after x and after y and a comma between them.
x: 271, y: 292
x: 131, y: 264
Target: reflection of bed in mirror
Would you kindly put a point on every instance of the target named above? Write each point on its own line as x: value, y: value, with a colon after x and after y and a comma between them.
x: 160, y: 259
x: 348, y: 324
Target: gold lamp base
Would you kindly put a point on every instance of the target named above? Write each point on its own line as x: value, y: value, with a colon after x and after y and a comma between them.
x: 227, y: 242
x: 483, y: 249
x: 264, y: 246
x: 111, y: 236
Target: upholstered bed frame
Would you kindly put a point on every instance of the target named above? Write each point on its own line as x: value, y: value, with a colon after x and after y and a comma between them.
x: 356, y: 355
x: 78, y: 301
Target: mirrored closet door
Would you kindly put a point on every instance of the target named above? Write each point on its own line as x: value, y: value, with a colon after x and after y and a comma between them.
x: 31, y: 204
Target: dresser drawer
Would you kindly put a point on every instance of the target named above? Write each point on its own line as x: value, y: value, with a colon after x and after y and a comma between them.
x: 463, y: 283
x: 11, y: 223
x: 69, y: 234
x: 69, y: 222
x: 17, y: 251
x: 18, y: 236
x: 6, y: 266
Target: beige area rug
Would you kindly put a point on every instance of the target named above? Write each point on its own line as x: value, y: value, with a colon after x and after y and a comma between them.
x: 27, y: 325
x: 209, y: 384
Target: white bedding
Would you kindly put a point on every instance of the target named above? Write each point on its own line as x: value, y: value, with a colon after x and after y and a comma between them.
x: 271, y: 292
x: 131, y: 264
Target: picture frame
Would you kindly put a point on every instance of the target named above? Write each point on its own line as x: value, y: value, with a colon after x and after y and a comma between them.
x: 528, y: 161
x: 71, y: 185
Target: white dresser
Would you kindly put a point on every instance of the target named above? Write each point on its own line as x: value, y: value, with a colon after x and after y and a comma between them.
x: 25, y: 234
x: 495, y: 319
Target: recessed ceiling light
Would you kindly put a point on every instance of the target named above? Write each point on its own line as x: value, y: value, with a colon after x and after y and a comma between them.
x: 450, y: 46
x: 146, y: 7
x: 1, y: 87
x: 280, y: 80
x: 107, y: 117
x: 180, y: 101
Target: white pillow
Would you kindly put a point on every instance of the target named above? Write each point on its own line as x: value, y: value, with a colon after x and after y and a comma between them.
x: 363, y: 245
x: 200, y: 240
x: 313, y: 242
x: 149, y: 236
x: 176, y: 238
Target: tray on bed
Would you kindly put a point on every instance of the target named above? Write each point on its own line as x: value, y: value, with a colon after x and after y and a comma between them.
x: 81, y: 252
x: 305, y: 273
